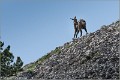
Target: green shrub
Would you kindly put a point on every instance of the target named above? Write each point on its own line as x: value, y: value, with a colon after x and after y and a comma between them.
x: 56, y: 51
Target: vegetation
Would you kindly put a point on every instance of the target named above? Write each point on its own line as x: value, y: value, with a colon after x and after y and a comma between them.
x: 30, y: 67
x: 42, y: 59
x: 8, y: 67
x: 56, y: 51
x: 68, y: 46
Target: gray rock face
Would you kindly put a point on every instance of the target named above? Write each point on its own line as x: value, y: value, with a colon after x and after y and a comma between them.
x: 93, y: 56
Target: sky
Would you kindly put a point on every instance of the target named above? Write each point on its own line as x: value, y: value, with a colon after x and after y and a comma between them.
x: 35, y: 27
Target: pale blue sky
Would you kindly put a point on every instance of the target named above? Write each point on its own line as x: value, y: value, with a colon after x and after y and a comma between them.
x: 35, y: 27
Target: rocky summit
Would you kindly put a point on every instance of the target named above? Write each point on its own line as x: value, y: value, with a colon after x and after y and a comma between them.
x: 92, y: 56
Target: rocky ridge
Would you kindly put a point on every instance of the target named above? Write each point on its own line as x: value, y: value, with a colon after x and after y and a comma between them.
x: 93, y: 56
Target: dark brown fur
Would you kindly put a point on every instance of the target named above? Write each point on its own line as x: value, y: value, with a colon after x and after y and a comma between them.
x: 81, y: 25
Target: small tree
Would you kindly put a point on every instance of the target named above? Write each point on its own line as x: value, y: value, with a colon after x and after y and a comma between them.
x: 6, y: 60
x: 1, y: 45
x: 18, y: 65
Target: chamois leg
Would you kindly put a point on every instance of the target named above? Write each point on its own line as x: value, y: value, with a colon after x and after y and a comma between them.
x: 81, y: 32
x: 86, y: 30
x: 74, y: 30
x: 75, y: 33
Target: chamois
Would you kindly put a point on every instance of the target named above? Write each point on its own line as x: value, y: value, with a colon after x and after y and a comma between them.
x: 75, y: 26
x: 81, y: 25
